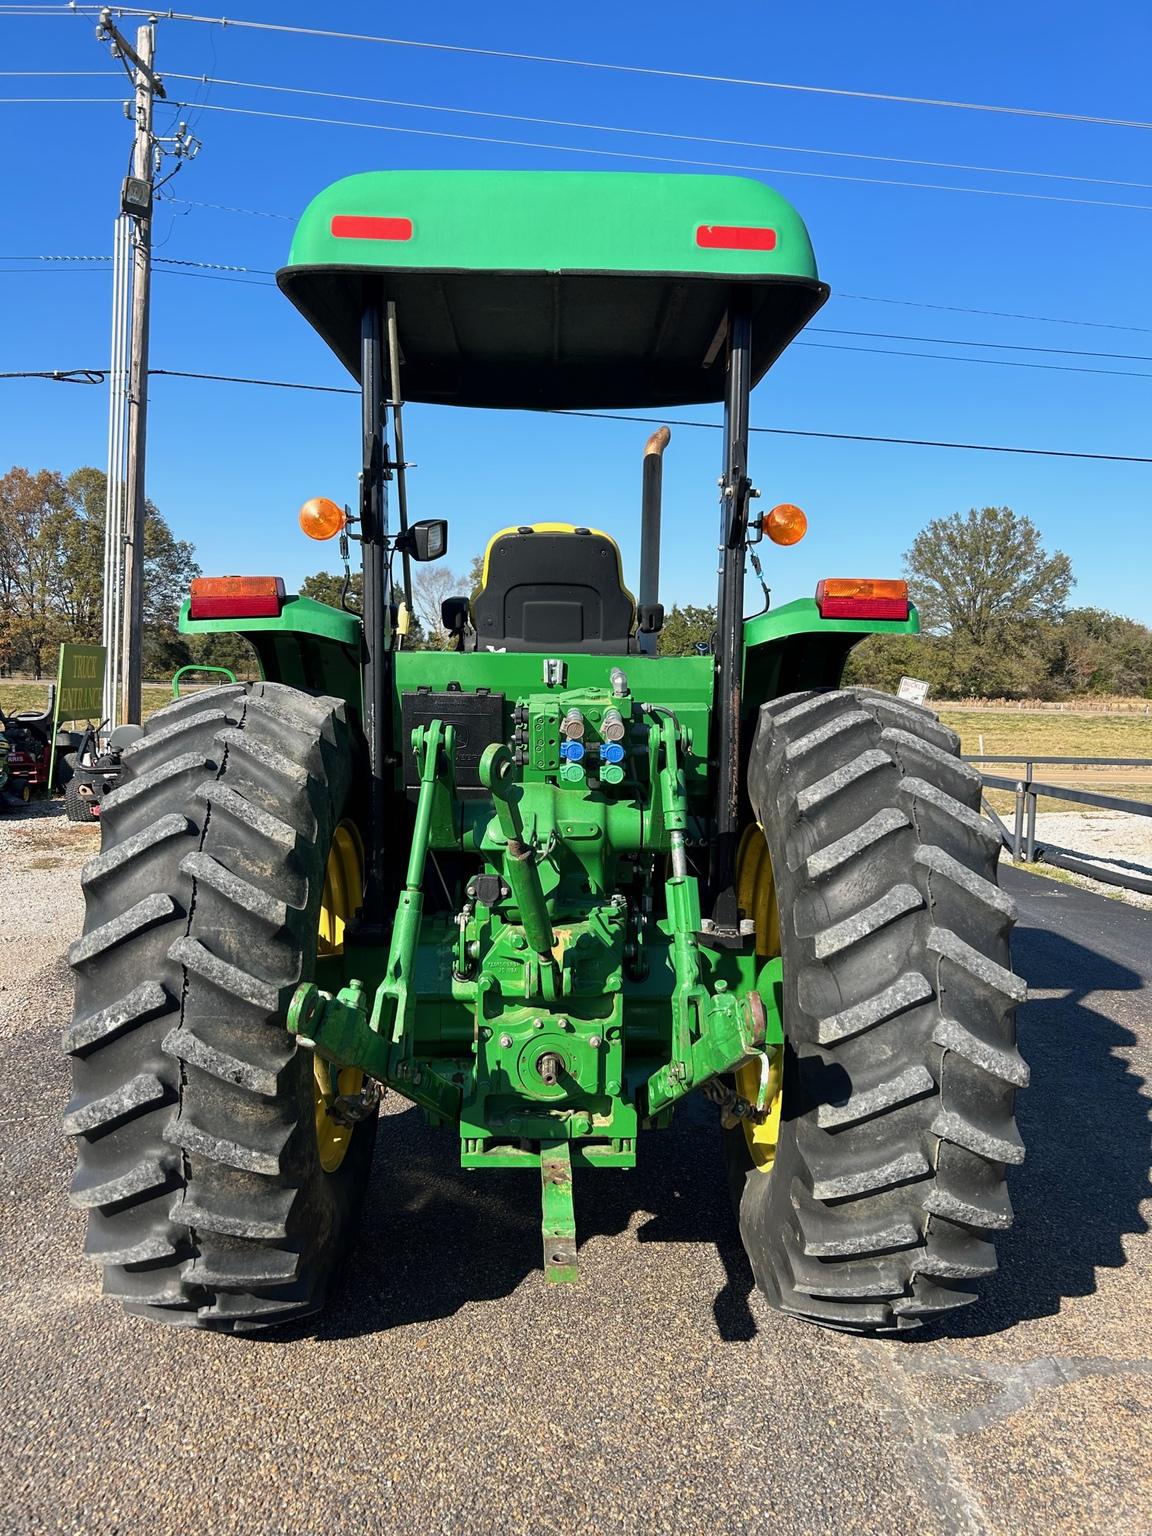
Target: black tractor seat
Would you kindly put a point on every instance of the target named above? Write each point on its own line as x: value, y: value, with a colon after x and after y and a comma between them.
x: 553, y: 587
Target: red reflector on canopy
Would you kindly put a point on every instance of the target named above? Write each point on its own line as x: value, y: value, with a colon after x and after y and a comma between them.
x: 353, y: 226
x: 237, y: 597
x: 731, y: 237
x: 856, y: 597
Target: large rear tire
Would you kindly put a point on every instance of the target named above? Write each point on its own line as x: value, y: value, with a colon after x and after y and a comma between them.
x: 900, y: 1063
x: 196, y: 1116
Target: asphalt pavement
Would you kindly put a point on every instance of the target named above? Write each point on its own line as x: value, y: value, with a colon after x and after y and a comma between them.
x: 449, y: 1389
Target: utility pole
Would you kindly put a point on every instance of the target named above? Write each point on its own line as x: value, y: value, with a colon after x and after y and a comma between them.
x: 124, y: 534
x: 143, y: 166
x: 136, y: 202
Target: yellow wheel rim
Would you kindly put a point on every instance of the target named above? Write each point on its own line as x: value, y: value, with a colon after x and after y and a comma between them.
x: 756, y: 893
x: 343, y: 889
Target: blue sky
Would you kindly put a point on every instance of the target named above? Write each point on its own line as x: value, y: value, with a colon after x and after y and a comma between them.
x: 229, y: 465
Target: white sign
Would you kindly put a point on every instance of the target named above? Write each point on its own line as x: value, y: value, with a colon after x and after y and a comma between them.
x: 912, y: 689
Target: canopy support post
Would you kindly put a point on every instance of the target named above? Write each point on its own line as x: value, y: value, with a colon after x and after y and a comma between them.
x: 377, y: 658
x: 398, y: 434
x: 735, y: 488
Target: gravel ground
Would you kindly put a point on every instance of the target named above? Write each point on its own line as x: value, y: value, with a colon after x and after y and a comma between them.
x: 449, y: 1390
x: 1116, y: 842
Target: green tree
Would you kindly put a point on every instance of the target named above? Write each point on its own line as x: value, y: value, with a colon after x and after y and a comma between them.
x: 1093, y: 651
x: 880, y: 661
x: 685, y: 628
x: 169, y: 567
x: 986, y: 586
x: 326, y: 587
x: 34, y: 514
x: 221, y: 650
x: 52, y: 571
x: 81, y: 575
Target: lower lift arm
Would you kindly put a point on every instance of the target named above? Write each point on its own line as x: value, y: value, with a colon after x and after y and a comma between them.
x: 712, y: 1032
x: 339, y: 1027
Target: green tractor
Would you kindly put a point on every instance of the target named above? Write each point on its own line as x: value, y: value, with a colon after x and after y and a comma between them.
x: 545, y: 883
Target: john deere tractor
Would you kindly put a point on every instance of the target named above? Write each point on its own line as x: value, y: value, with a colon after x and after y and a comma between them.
x: 545, y: 883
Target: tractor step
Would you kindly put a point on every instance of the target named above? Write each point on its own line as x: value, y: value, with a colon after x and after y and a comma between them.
x: 558, y: 1226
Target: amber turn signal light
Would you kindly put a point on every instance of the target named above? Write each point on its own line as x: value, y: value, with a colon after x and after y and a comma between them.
x: 322, y: 519
x: 862, y: 597
x: 785, y: 524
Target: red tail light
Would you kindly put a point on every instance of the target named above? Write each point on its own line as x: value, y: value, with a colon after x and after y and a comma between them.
x: 237, y: 597
x: 730, y: 237
x: 351, y: 226
x: 856, y: 597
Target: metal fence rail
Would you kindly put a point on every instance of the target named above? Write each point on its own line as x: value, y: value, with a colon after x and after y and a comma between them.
x: 1021, y: 839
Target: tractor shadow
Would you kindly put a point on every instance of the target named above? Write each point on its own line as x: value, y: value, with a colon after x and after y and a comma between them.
x: 436, y: 1238
x: 1085, y: 1123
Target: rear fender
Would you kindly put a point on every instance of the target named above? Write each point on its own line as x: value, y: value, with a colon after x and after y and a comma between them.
x: 307, y: 645
x: 792, y: 648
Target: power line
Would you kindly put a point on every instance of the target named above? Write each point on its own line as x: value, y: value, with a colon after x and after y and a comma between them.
x: 946, y: 341
x: 228, y: 378
x: 174, y: 267
x: 612, y: 154
x: 1000, y: 346
x: 97, y: 376
x: 55, y: 258
x: 624, y: 154
x: 840, y: 294
x: 213, y: 266
x: 617, y: 154
x: 62, y: 101
x: 217, y: 277
x: 258, y: 213
x: 860, y: 437
x: 864, y: 298
x: 78, y: 271
x: 849, y: 437
x: 986, y: 362
x: 656, y: 133
x: 633, y: 69
x: 63, y: 375
x: 996, y: 314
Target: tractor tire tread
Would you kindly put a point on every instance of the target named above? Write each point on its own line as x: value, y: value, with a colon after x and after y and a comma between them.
x: 193, y: 1106
x: 901, y: 1062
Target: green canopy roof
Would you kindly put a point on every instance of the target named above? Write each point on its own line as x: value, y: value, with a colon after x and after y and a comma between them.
x: 548, y: 289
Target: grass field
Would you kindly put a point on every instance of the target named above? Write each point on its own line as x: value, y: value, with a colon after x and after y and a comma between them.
x: 15, y: 696
x: 1067, y: 734
x: 996, y: 730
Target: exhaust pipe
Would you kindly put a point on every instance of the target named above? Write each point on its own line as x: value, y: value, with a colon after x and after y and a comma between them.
x: 650, y: 528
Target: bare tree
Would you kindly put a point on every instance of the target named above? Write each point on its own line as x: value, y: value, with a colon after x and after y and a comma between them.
x: 431, y: 584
